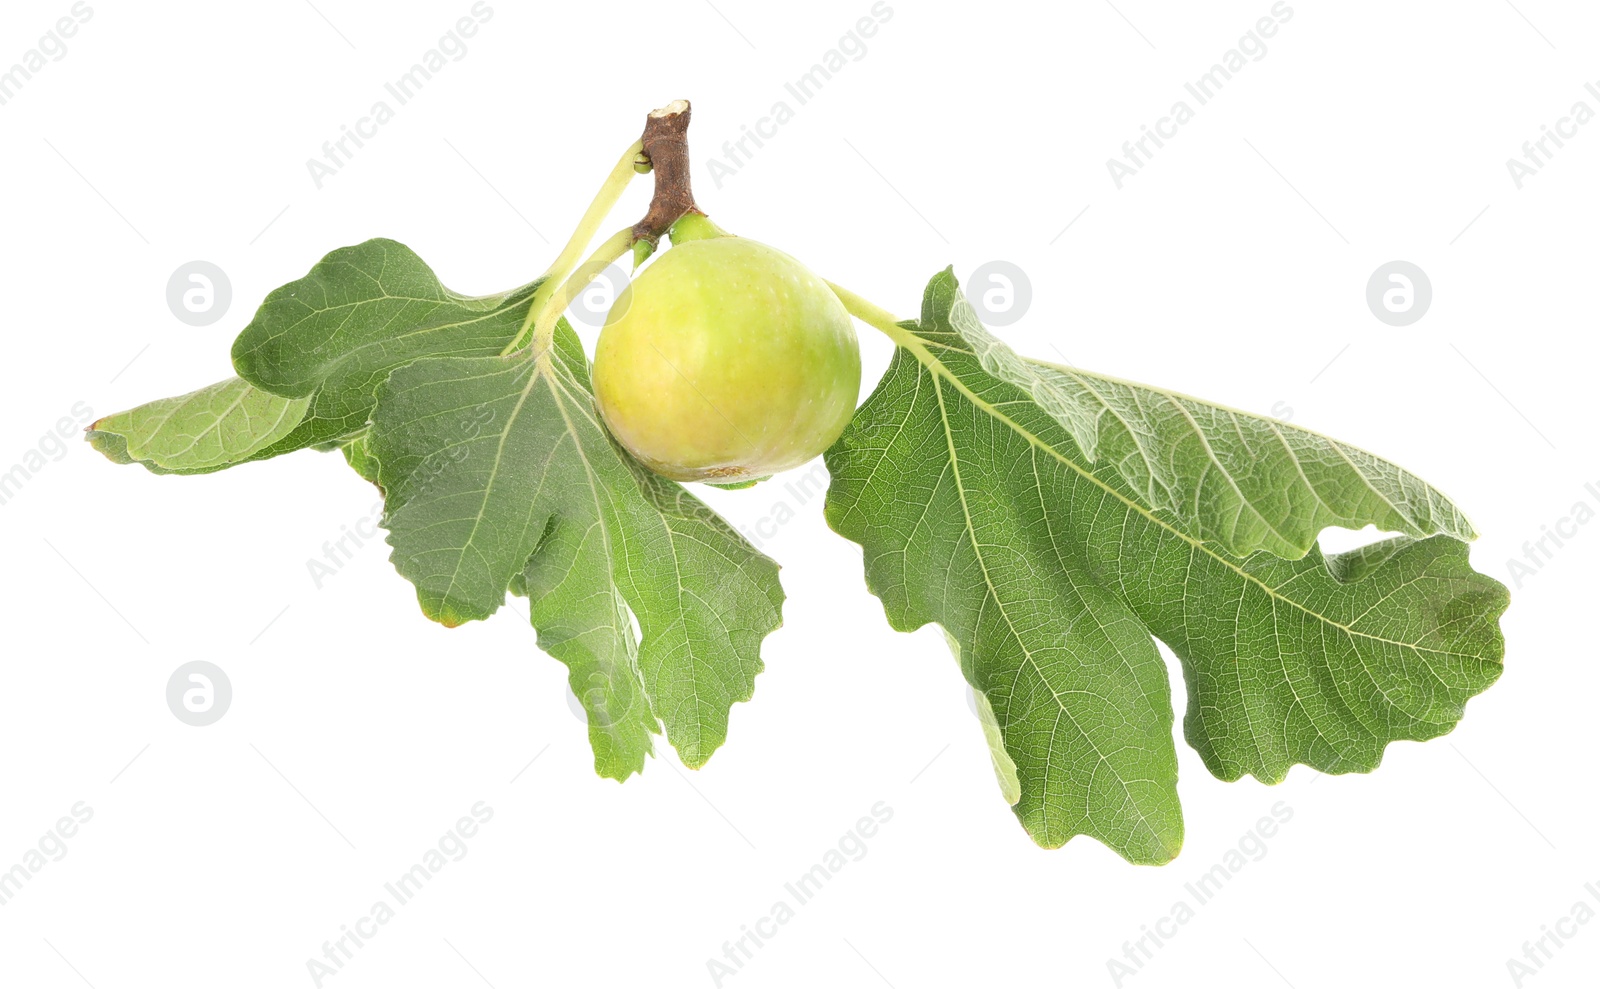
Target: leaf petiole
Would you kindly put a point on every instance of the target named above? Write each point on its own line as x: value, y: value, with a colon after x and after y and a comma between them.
x: 663, y: 148
x: 875, y: 316
x: 604, y: 201
x: 612, y: 249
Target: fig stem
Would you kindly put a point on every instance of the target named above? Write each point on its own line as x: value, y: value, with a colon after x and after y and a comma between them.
x: 666, y: 146
x: 695, y: 226
x: 604, y: 201
x: 663, y: 151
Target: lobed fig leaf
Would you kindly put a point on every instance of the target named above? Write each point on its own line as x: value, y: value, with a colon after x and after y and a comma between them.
x: 372, y: 355
x: 333, y: 336
x: 228, y: 423
x: 1054, y: 522
x: 498, y: 475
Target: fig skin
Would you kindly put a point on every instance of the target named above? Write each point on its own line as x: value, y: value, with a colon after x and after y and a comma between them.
x: 726, y: 361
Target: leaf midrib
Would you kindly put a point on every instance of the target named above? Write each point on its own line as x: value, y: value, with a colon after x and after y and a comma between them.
x: 912, y: 343
x: 1452, y: 521
x: 695, y: 658
x: 977, y: 552
x: 488, y: 487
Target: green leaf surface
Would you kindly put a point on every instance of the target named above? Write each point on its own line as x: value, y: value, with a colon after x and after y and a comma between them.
x: 334, y: 335
x: 498, y: 474
x: 358, y: 454
x: 218, y: 426
x: 1052, y: 521
x: 1241, y: 481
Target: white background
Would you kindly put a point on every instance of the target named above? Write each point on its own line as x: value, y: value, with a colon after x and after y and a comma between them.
x: 1233, y: 266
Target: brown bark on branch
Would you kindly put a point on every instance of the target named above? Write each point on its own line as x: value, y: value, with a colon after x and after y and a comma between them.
x: 666, y: 146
